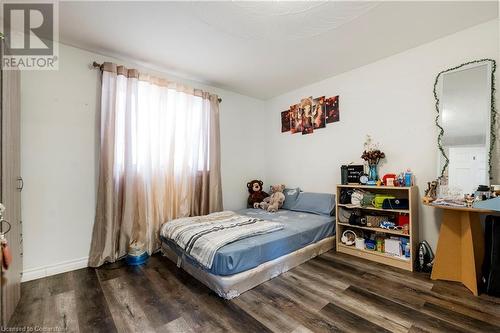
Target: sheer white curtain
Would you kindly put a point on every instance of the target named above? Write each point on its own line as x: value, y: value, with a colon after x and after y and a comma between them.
x: 159, y: 159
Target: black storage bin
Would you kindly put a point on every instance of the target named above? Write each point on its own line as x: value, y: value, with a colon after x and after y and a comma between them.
x: 491, y: 264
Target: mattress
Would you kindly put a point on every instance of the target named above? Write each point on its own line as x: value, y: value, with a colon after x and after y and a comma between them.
x: 231, y: 286
x: 301, y: 229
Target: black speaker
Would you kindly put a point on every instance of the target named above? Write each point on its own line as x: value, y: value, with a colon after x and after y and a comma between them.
x: 343, y: 175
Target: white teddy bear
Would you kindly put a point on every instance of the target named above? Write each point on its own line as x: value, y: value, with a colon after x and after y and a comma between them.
x: 275, y: 201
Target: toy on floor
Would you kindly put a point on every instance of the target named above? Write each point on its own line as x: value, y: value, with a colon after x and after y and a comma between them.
x: 137, y: 254
x: 256, y: 194
x: 273, y: 203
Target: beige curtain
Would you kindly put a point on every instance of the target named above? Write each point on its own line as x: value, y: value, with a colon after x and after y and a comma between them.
x: 159, y: 159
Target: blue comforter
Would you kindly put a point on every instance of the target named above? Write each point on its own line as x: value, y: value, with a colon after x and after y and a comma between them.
x: 301, y: 229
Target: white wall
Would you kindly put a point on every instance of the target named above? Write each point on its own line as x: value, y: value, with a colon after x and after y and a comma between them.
x: 390, y: 99
x: 59, y: 140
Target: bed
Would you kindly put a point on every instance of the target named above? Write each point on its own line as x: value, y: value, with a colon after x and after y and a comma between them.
x: 246, y: 263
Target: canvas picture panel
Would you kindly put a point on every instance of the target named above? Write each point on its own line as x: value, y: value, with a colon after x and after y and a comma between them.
x: 332, y: 109
x: 319, y: 114
x: 306, y: 105
x: 285, y: 121
x: 295, y: 119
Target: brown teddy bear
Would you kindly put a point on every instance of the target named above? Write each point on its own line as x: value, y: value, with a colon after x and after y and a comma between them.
x: 275, y: 201
x: 256, y: 194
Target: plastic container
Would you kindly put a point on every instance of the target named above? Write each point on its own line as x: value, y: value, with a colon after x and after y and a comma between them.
x: 360, y: 243
x: 370, y: 244
x: 132, y: 260
x: 407, y: 250
x: 408, y: 178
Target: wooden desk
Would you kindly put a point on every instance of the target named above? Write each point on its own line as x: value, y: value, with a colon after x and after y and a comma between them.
x: 460, y: 249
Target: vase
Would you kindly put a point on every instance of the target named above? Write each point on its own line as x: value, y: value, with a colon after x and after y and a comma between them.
x: 373, y: 173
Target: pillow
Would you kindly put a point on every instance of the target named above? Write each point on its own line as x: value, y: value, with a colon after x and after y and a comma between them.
x: 291, y: 195
x: 316, y: 203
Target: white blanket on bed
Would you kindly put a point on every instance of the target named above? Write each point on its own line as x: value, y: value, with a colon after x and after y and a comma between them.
x: 201, y: 236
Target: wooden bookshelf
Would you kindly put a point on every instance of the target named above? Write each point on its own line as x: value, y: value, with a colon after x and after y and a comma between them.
x: 409, y: 193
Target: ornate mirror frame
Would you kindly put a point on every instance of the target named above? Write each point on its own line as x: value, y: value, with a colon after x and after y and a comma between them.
x: 492, y: 116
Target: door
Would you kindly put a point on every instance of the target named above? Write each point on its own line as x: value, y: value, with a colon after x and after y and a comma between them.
x: 10, y: 188
x: 467, y: 168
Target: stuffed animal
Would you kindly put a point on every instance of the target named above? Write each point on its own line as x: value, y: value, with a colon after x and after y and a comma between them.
x: 431, y: 192
x: 275, y: 201
x: 256, y: 194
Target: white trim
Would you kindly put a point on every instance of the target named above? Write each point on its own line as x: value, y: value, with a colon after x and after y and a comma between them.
x: 62, y: 267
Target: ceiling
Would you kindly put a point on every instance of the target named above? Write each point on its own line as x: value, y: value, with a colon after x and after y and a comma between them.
x: 262, y: 49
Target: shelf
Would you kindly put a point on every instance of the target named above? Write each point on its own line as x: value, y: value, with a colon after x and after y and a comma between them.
x: 374, y: 187
x: 375, y: 253
x: 401, y: 211
x: 375, y: 229
x: 410, y: 193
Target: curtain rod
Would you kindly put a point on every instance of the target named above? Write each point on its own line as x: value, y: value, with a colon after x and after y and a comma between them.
x: 98, y: 65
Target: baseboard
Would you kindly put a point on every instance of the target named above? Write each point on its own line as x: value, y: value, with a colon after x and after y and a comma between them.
x: 65, y: 266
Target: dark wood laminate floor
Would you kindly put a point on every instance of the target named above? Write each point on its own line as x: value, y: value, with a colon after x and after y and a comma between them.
x: 333, y: 292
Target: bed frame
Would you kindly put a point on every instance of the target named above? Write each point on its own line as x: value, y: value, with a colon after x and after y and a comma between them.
x: 232, y: 286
